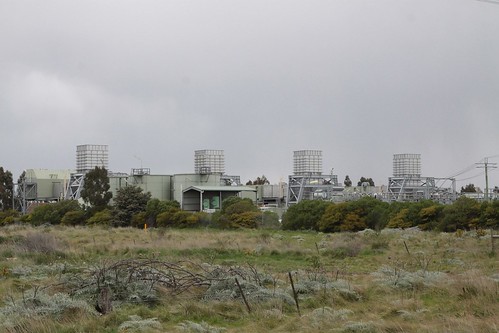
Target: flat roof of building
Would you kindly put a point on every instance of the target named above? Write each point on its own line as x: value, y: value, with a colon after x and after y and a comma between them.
x: 220, y: 189
x: 47, y: 174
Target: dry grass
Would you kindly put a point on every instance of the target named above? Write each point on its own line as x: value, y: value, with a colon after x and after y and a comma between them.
x: 394, y: 281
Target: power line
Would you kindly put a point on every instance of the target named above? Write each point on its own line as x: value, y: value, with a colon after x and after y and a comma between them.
x: 468, y: 168
x: 475, y: 176
x: 490, y: 1
x: 472, y: 166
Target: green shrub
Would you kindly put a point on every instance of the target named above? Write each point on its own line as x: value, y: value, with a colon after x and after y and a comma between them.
x: 139, y: 219
x: 244, y: 220
x: 155, y: 207
x: 8, y: 220
x: 53, y: 212
x: 204, y: 219
x: 8, y: 216
x: 103, y: 218
x: 75, y: 217
x: 177, y: 218
x: 165, y: 219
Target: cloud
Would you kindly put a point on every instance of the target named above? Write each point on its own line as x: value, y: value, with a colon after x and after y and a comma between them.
x: 360, y: 81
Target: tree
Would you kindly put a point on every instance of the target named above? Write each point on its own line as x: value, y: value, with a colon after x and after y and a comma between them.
x: 259, y: 181
x: 409, y: 214
x: 305, y: 215
x: 129, y: 201
x: 400, y: 220
x: 470, y: 188
x: 356, y: 215
x: 463, y: 214
x: 363, y: 180
x: 333, y: 217
x: 347, y: 182
x: 491, y: 215
x: 6, y: 189
x: 96, y: 189
x: 430, y: 216
x: 373, y: 212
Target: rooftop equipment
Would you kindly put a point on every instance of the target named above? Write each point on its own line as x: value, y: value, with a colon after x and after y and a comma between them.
x: 90, y: 156
x: 209, y: 162
x: 307, y: 162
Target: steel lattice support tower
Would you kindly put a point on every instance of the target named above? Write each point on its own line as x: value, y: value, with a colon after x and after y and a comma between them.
x: 75, y: 186
x: 408, y: 185
x: 308, y: 182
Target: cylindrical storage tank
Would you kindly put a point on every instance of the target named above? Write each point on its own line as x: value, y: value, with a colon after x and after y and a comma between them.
x: 407, y: 165
x: 307, y: 162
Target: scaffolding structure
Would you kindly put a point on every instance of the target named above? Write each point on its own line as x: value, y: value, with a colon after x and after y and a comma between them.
x: 75, y: 186
x: 312, y: 187
x: 308, y: 182
x: 421, y: 188
x: 26, y: 192
x: 408, y: 185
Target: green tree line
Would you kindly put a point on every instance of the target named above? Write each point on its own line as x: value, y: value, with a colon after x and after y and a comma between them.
x: 133, y: 207
x: 464, y: 213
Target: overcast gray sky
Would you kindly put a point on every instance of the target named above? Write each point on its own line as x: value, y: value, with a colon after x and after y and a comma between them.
x: 360, y: 80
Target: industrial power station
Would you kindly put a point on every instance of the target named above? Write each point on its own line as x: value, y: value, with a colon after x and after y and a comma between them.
x: 407, y: 184
x: 207, y: 187
x: 308, y: 182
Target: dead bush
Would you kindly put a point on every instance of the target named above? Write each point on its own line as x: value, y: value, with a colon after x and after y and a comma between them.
x: 41, y: 243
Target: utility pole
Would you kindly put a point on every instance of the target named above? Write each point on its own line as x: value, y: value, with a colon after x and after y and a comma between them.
x: 486, y: 165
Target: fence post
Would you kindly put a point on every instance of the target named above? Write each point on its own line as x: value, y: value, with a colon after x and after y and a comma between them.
x: 295, y: 295
x: 244, y: 297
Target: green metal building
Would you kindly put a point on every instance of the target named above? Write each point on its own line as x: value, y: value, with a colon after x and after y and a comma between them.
x: 44, y: 185
x: 194, y: 192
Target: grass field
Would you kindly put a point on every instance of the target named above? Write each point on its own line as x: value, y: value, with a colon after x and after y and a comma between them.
x: 53, y: 278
